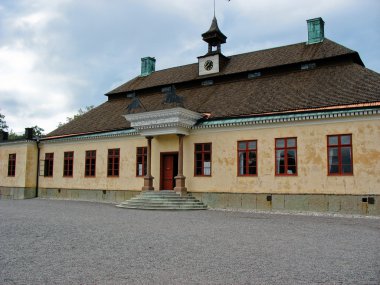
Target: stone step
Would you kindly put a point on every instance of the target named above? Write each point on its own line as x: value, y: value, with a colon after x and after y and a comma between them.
x: 203, y: 207
x: 163, y: 200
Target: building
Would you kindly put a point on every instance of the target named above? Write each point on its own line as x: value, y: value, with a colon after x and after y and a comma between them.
x: 289, y: 128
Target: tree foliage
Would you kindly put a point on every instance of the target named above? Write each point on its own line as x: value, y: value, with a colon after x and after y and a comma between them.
x: 80, y: 113
x: 37, y: 132
x: 3, y: 124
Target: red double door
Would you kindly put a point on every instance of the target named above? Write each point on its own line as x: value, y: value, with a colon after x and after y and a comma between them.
x: 169, y: 170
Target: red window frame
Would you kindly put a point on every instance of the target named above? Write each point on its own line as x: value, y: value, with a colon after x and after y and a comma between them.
x: 202, y: 150
x: 12, y: 165
x: 90, y: 163
x: 141, y: 158
x: 340, y: 146
x: 49, y: 164
x: 68, y: 163
x: 246, y: 150
x: 113, y: 162
x: 286, y: 148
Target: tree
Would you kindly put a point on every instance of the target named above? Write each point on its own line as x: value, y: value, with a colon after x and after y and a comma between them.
x: 3, y: 124
x: 80, y: 113
x: 37, y: 132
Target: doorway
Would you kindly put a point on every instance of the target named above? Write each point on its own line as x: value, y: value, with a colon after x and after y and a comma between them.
x: 169, y: 170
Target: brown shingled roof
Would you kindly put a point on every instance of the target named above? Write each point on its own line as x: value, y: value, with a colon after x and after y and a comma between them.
x: 257, y: 60
x: 326, y: 86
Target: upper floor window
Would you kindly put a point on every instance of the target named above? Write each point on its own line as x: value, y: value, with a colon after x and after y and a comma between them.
x: 113, y: 162
x: 141, y: 161
x: 286, y: 156
x: 247, y: 158
x: 68, y: 163
x: 202, y: 159
x: 49, y: 162
x: 12, y: 165
x: 339, y: 155
x: 90, y: 163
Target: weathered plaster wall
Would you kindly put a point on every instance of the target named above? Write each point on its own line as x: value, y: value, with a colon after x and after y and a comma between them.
x: 312, y: 175
x: 21, y: 151
x: 312, y: 159
x: 127, y: 179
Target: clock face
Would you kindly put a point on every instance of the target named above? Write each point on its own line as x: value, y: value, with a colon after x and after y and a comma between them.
x: 208, y: 65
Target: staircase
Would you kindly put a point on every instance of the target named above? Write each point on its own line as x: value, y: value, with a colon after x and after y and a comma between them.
x: 163, y: 200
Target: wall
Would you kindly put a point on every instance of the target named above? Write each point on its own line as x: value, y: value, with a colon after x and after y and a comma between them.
x: 312, y: 175
x: 127, y: 179
x: 23, y: 184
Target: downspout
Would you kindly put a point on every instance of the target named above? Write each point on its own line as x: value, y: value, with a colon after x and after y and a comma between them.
x: 38, y: 164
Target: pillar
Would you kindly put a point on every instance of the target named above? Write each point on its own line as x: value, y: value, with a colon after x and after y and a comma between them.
x: 148, y: 179
x: 180, y: 179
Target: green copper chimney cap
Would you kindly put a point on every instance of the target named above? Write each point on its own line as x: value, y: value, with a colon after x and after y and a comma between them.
x: 148, y: 65
x: 316, y: 31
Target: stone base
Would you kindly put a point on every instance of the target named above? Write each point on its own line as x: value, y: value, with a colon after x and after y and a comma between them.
x: 180, y: 185
x: 148, y: 183
x: 107, y: 196
x: 16, y: 193
x: 342, y: 204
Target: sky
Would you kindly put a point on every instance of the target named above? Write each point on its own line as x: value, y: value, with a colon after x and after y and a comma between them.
x: 57, y: 56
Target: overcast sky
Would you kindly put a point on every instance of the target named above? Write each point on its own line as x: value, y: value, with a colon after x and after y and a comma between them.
x: 57, y: 56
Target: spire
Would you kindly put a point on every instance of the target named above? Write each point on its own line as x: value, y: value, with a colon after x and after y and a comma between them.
x: 214, y: 37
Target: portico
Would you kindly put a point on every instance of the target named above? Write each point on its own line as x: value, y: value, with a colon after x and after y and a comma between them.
x: 176, y: 121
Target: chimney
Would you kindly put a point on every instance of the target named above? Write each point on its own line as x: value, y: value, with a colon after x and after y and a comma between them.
x: 148, y: 65
x: 315, y: 31
x: 3, y: 135
x: 28, y: 133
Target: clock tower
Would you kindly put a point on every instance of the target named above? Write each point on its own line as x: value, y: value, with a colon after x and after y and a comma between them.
x: 213, y: 60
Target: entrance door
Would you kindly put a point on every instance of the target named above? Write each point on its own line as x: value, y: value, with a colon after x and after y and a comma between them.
x: 169, y: 169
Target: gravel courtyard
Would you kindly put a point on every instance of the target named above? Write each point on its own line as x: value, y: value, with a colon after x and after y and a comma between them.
x: 69, y: 242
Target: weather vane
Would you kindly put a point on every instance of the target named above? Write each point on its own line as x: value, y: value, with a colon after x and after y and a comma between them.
x: 215, y: 5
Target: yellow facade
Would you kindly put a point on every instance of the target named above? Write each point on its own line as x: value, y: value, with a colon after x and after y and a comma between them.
x: 312, y: 175
x: 26, y: 165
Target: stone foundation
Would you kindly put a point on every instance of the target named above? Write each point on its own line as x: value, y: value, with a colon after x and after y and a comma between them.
x: 111, y: 196
x: 343, y: 204
x: 16, y: 193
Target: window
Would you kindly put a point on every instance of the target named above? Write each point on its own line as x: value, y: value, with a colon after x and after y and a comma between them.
x: 286, y: 156
x: 49, y: 162
x: 247, y: 158
x: 141, y: 161
x: 339, y: 155
x: 12, y: 165
x: 202, y: 158
x: 113, y: 162
x: 68, y: 163
x: 90, y: 163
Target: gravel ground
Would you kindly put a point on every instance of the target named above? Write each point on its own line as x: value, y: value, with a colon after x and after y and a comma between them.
x: 68, y: 242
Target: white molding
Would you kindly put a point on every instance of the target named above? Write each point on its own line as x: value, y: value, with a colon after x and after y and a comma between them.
x: 171, y: 121
x: 269, y: 125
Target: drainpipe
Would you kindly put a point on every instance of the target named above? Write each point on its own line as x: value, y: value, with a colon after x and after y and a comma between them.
x: 38, y: 164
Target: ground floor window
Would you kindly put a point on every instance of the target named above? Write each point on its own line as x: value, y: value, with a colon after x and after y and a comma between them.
x: 68, y: 163
x: 286, y: 156
x: 113, y: 162
x: 339, y: 155
x: 90, y: 163
x: 247, y: 158
x: 141, y: 161
x: 202, y: 159
x: 49, y: 163
x: 12, y: 165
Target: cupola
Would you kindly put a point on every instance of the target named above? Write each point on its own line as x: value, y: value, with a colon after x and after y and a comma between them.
x: 213, y: 60
x: 214, y: 37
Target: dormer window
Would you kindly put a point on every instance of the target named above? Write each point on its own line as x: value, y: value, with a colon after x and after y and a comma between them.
x: 308, y: 66
x: 207, y: 82
x: 254, y: 74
